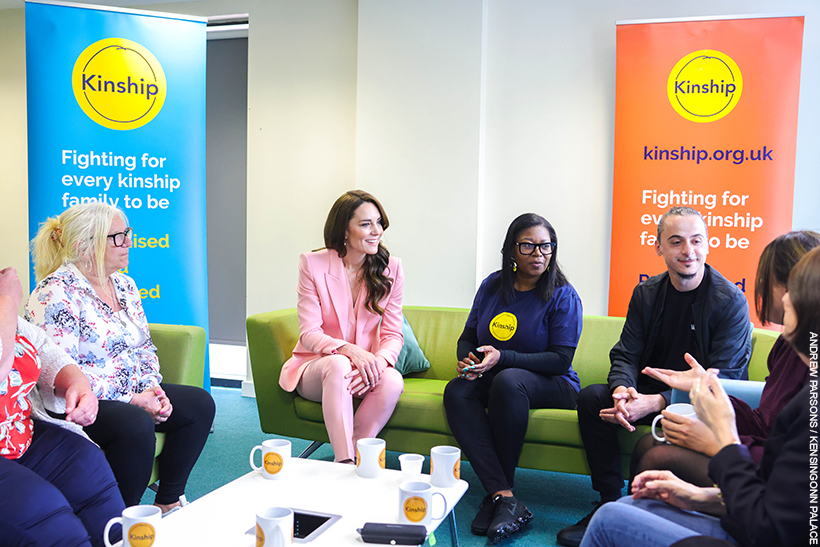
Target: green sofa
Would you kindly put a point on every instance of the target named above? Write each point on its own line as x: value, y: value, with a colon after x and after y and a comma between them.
x: 553, y: 441
x: 181, y: 353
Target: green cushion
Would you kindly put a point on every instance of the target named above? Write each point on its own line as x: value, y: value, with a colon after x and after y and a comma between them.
x: 411, y: 358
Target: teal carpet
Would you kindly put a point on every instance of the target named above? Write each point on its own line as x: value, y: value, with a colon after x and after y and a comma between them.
x: 555, y: 499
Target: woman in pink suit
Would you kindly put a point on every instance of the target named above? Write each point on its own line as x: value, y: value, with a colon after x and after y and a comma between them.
x: 350, y: 321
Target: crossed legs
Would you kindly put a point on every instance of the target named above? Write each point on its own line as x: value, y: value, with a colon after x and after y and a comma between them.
x: 323, y: 380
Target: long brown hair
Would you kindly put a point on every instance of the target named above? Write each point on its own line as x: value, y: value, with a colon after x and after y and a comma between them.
x: 378, y: 285
x: 804, y: 292
x: 776, y: 262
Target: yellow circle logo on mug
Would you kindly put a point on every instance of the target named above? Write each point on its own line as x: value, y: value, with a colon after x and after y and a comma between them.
x: 503, y: 326
x: 141, y: 534
x: 415, y: 509
x: 704, y: 86
x: 358, y: 457
x: 119, y: 83
x: 382, y: 458
x: 457, y: 469
x: 272, y: 463
x: 260, y: 536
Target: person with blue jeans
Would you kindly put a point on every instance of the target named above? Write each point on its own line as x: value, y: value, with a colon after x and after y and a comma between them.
x: 56, y: 487
x: 749, y: 505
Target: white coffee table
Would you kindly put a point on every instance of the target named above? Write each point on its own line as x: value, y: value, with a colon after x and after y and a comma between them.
x: 223, y: 516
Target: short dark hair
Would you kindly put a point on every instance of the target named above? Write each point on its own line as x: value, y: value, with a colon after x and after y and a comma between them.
x: 549, y: 280
x: 804, y: 292
x: 776, y: 262
x: 681, y: 212
x: 338, y: 219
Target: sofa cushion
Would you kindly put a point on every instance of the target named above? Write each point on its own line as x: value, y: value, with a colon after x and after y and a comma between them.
x: 411, y: 358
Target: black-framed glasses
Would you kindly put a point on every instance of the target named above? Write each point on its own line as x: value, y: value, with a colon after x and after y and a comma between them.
x: 120, y: 237
x: 527, y: 248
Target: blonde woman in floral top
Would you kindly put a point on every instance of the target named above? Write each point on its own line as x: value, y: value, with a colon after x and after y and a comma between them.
x: 94, y: 313
x: 57, y: 488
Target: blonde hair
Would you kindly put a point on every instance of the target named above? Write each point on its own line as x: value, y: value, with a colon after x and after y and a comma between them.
x: 79, y: 234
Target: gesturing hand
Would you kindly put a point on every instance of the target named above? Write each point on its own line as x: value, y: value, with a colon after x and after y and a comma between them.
x: 677, y: 379
x: 631, y: 406
x: 714, y: 408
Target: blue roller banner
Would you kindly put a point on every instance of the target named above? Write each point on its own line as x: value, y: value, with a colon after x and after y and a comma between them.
x: 116, y: 113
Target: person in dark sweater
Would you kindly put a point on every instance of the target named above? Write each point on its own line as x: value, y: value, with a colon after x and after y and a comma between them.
x: 515, y: 354
x: 765, y: 505
x: 692, y: 442
x: 690, y: 308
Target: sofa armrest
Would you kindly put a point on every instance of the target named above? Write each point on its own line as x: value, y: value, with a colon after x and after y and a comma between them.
x: 181, y: 352
x: 748, y: 391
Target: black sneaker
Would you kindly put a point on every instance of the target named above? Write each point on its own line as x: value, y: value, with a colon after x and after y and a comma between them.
x: 510, y: 515
x: 481, y: 522
x: 571, y: 536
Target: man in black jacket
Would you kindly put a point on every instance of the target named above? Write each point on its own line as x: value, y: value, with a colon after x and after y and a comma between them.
x: 690, y: 308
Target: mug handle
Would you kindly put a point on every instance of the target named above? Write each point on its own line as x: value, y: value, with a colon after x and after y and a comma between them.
x: 659, y: 438
x: 255, y: 448
x: 109, y: 524
x: 444, y: 500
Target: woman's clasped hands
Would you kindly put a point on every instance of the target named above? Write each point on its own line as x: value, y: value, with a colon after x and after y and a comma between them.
x: 155, y: 402
x: 367, y: 368
x: 472, y: 367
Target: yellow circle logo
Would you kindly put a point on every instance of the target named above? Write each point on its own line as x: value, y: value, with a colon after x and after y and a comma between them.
x: 415, y: 509
x: 457, y: 469
x: 704, y: 86
x: 272, y: 463
x: 119, y: 83
x: 503, y: 326
x: 358, y: 457
x: 260, y: 536
x: 382, y: 457
x: 141, y: 534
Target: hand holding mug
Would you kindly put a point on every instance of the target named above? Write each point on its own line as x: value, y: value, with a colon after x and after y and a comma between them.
x: 672, y: 414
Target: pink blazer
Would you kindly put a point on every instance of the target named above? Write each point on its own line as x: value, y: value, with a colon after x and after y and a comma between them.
x: 323, y: 305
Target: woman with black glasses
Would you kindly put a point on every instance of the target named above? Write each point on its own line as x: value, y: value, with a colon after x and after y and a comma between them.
x: 94, y: 312
x: 515, y: 354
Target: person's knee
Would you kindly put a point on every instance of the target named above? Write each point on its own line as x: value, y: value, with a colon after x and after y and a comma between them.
x: 392, y: 382
x: 509, y: 383
x: 456, y: 392
x: 590, y: 398
x: 335, y: 368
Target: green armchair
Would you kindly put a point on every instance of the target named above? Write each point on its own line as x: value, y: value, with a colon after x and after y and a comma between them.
x: 181, y: 353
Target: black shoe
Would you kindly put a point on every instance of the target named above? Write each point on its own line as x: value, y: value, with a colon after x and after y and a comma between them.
x: 571, y: 536
x: 481, y: 522
x: 510, y: 515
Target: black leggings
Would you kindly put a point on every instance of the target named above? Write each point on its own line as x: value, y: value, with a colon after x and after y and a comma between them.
x: 125, y: 432
x: 691, y: 466
x: 492, y: 439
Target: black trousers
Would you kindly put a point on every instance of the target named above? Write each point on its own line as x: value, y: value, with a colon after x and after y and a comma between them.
x: 601, y: 440
x: 492, y: 439
x: 125, y: 432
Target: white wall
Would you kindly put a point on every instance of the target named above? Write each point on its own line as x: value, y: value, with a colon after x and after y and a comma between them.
x: 386, y: 95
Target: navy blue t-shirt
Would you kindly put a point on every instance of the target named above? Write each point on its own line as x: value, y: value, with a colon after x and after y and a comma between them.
x: 528, y: 324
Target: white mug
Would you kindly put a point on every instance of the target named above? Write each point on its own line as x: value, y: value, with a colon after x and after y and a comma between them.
x: 445, y: 466
x: 139, y: 526
x: 275, y: 458
x: 684, y: 409
x: 370, y: 454
x: 411, y: 466
x: 274, y: 527
x: 416, y: 503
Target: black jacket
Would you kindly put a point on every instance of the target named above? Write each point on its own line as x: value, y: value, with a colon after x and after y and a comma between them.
x: 769, y: 506
x: 723, y: 332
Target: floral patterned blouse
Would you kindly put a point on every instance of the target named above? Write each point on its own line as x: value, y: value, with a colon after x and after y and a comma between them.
x: 117, y: 363
x: 37, y: 361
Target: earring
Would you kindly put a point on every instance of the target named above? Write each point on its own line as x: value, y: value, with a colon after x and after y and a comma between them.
x: 515, y: 266
x: 88, y: 265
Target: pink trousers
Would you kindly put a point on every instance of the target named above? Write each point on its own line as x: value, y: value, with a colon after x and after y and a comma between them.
x: 323, y: 381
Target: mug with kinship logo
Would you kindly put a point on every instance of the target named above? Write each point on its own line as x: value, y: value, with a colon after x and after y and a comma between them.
x: 416, y: 503
x: 139, y: 526
x: 445, y: 466
x: 275, y: 457
x: 274, y: 527
x: 370, y: 457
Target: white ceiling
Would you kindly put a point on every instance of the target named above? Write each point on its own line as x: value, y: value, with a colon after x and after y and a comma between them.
x: 11, y: 4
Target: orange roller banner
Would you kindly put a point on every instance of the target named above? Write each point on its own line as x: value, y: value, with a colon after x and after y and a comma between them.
x: 705, y: 117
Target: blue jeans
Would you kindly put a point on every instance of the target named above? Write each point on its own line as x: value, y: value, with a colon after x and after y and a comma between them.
x: 59, y: 492
x: 648, y: 523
